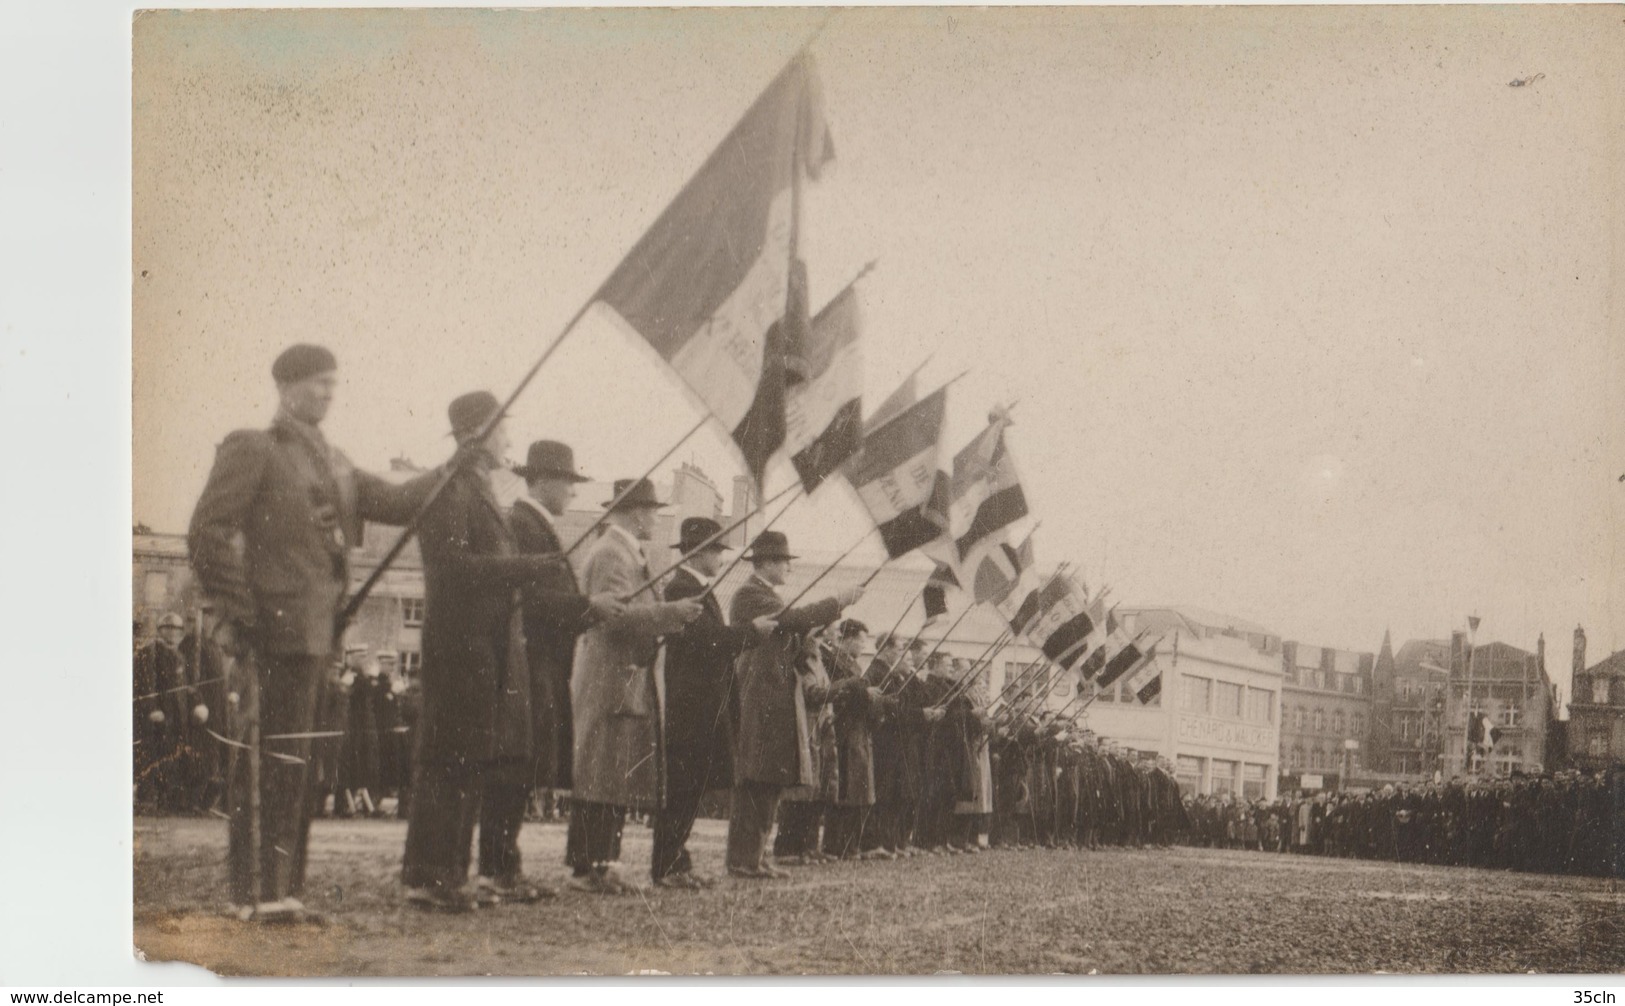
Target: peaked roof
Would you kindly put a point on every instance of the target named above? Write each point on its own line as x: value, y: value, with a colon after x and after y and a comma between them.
x: 1612, y: 665
x: 1414, y: 653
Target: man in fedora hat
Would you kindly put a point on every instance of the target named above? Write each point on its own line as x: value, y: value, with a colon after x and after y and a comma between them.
x: 269, y: 543
x: 475, y: 721
x: 617, y: 760
x: 700, y: 701
x: 773, y: 749
x: 555, y: 613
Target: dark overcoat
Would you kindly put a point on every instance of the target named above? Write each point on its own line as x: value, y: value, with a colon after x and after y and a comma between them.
x: 701, y: 702
x: 476, y: 685
x: 775, y: 737
x: 555, y: 614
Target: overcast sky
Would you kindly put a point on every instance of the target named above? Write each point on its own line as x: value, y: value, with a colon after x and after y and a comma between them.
x: 1306, y: 310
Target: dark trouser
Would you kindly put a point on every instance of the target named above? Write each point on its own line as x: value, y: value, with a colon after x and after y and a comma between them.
x: 687, y: 779
x: 798, y: 827
x: 594, y: 838
x: 289, y: 690
x: 440, y: 832
x: 750, y: 821
x: 502, y: 814
x: 968, y: 829
x: 843, y: 830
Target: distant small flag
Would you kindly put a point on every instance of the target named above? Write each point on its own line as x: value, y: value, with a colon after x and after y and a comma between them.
x: 1000, y: 570
x: 1120, y: 663
x: 935, y: 593
x: 897, y: 478
x: 823, y: 414
x: 984, y: 491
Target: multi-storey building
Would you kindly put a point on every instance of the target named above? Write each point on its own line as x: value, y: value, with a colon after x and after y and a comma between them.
x: 1217, y: 718
x: 1508, y: 685
x: 1325, y: 710
x: 1407, y: 708
x: 1596, y: 728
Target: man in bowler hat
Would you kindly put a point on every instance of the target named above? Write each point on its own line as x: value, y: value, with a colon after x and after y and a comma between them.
x: 773, y: 749
x: 700, y: 706
x: 555, y: 613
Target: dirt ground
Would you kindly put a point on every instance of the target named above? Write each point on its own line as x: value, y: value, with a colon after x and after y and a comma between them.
x: 1156, y: 911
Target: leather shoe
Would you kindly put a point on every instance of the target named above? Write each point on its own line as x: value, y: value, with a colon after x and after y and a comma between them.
x: 748, y: 873
x: 523, y: 890
x: 456, y: 901
x: 679, y: 882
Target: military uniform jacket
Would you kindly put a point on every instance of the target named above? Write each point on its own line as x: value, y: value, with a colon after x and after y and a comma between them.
x: 297, y: 505
x: 775, y: 736
x: 476, y: 684
x: 555, y: 614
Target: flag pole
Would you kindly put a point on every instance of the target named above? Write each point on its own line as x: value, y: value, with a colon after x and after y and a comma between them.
x: 964, y: 679
x: 1010, y: 686
x: 885, y: 678
x: 598, y: 522
x: 827, y: 569
x: 458, y: 460
x: 945, y: 635
x: 716, y: 581
x: 712, y: 540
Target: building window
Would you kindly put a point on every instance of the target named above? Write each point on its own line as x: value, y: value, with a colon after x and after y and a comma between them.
x: 1358, y: 725
x: 1224, y: 776
x: 1338, y: 723
x: 411, y: 661
x: 1317, y: 759
x: 1260, y: 704
x: 412, y: 612
x: 1188, y: 772
x: 1227, y: 700
x: 155, y: 589
x: 1356, y: 684
x: 1252, y: 782
x: 1297, y: 756
x: 1197, y: 694
x: 1320, y: 721
x: 1599, y: 688
x: 1509, y: 714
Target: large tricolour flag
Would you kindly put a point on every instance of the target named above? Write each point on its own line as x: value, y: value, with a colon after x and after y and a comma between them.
x: 824, y: 413
x: 712, y: 277
x: 896, y: 475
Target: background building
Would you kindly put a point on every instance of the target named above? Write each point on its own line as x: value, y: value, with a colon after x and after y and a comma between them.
x: 1326, y: 703
x: 1596, y: 728
x: 1408, y: 707
x: 1217, y: 719
x: 1510, y: 686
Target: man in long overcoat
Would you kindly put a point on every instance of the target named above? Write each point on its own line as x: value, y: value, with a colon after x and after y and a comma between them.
x: 773, y: 750
x: 700, y: 702
x: 475, y: 719
x: 555, y: 613
x: 269, y: 543
x: 614, y: 694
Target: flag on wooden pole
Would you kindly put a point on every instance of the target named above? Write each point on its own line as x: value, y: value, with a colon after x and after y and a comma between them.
x: 824, y: 413
x: 897, y: 479
x: 708, y: 283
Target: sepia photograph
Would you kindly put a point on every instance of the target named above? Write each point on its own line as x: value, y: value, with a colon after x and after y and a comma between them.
x: 879, y: 491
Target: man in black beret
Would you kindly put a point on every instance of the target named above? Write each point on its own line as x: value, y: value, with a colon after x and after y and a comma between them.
x: 269, y: 543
